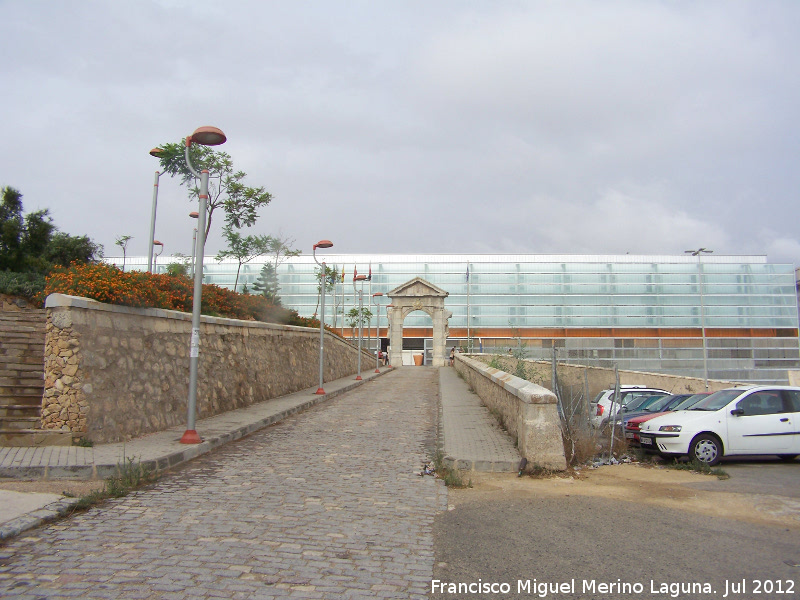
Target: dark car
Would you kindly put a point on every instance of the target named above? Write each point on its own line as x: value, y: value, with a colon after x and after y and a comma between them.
x: 683, y: 402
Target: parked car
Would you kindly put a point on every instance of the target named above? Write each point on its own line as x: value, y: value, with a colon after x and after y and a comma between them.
x: 678, y: 402
x: 736, y: 421
x: 602, y: 407
x: 649, y: 405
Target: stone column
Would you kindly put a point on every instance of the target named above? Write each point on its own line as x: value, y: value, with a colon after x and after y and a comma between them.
x: 396, y: 337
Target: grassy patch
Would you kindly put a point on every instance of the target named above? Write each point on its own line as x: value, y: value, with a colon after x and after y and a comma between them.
x: 83, y: 443
x: 131, y: 475
x: 451, y: 477
x: 696, y: 466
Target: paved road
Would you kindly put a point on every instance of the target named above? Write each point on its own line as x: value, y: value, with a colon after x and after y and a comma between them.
x: 505, y: 534
x: 326, y: 504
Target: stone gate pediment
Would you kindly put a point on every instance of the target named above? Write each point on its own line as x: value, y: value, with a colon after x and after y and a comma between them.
x: 416, y: 288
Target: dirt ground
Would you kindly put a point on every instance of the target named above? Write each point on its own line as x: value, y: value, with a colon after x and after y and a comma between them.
x: 652, y: 485
x: 72, y: 487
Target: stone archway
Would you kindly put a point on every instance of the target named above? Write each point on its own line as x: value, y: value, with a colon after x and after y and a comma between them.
x: 418, y: 294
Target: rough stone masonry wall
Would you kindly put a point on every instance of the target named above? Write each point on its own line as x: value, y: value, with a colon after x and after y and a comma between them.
x: 113, y: 373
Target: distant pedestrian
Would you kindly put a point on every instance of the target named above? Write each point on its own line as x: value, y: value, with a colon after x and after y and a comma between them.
x: 452, y: 356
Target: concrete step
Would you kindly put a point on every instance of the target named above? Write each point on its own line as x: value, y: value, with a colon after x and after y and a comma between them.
x: 18, y: 423
x: 20, y: 410
x: 21, y: 390
x: 15, y: 362
x: 32, y: 401
x: 35, y: 437
x: 30, y: 380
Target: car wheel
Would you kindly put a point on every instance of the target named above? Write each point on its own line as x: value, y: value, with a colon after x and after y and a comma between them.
x: 706, y: 448
x: 787, y: 456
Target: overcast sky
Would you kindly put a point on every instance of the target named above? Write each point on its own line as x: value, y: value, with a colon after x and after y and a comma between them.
x: 417, y: 126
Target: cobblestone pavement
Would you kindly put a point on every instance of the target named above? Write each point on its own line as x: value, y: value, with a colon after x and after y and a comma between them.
x: 327, y: 504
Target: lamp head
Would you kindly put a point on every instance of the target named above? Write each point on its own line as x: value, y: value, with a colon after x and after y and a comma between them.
x: 194, y: 214
x: 323, y: 244
x: 359, y: 278
x: 156, y: 152
x: 207, y: 136
x: 376, y: 294
x: 157, y: 243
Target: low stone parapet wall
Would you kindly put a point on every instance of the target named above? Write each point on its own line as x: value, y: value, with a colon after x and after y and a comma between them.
x: 113, y: 373
x: 528, y: 411
x: 577, y: 380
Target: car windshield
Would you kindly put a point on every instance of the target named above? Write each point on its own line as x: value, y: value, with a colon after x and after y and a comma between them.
x: 635, y: 403
x: 718, y: 400
x: 657, y: 405
x: 690, y: 402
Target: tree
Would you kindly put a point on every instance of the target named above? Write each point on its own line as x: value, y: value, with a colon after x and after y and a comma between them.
x: 280, y: 249
x: 267, y: 284
x: 64, y: 249
x: 179, y: 267
x: 32, y: 244
x: 243, y: 248
x: 330, y: 281
x: 353, y: 318
x: 122, y: 242
x: 23, y: 239
x: 226, y: 189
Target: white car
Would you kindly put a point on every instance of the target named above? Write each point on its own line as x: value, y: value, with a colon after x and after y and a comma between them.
x: 744, y: 420
x: 602, y: 407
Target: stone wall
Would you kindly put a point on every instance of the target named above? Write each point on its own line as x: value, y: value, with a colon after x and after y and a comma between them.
x: 114, y: 373
x: 576, y: 380
x: 527, y: 411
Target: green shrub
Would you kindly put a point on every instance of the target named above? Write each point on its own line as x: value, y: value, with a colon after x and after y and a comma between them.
x: 25, y: 285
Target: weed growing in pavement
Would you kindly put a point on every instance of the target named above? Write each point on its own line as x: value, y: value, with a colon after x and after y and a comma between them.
x: 537, y: 471
x: 131, y: 475
x: 698, y: 467
x: 451, y: 477
x: 84, y: 443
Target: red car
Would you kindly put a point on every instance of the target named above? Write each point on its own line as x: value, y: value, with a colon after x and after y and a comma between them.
x: 633, y: 424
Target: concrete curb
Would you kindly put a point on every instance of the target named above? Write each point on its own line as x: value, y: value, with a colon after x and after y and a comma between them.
x: 51, y: 512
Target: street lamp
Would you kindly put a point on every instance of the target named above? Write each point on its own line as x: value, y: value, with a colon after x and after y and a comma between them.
x: 206, y: 136
x: 154, y: 152
x: 699, y: 253
x: 323, y: 284
x: 389, y: 311
x: 155, y: 256
x: 194, y: 215
x: 377, y: 331
x: 360, y: 278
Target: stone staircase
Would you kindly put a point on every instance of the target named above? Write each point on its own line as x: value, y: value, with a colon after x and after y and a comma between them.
x: 22, y: 335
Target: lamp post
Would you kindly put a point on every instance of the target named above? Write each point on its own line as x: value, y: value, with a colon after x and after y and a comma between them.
x: 323, y: 283
x: 699, y: 253
x: 206, y: 136
x: 194, y: 215
x: 360, y: 292
x: 377, y: 331
x: 154, y: 152
x: 154, y: 256
x: 389, y: 311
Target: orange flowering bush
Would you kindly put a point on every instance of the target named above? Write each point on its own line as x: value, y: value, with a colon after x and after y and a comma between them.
x: 106, y: 283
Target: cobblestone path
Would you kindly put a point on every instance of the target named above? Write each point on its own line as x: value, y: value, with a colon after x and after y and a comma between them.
x: 327, y: 504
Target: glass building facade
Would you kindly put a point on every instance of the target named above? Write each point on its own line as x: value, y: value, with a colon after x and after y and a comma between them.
x: 639, y: 312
